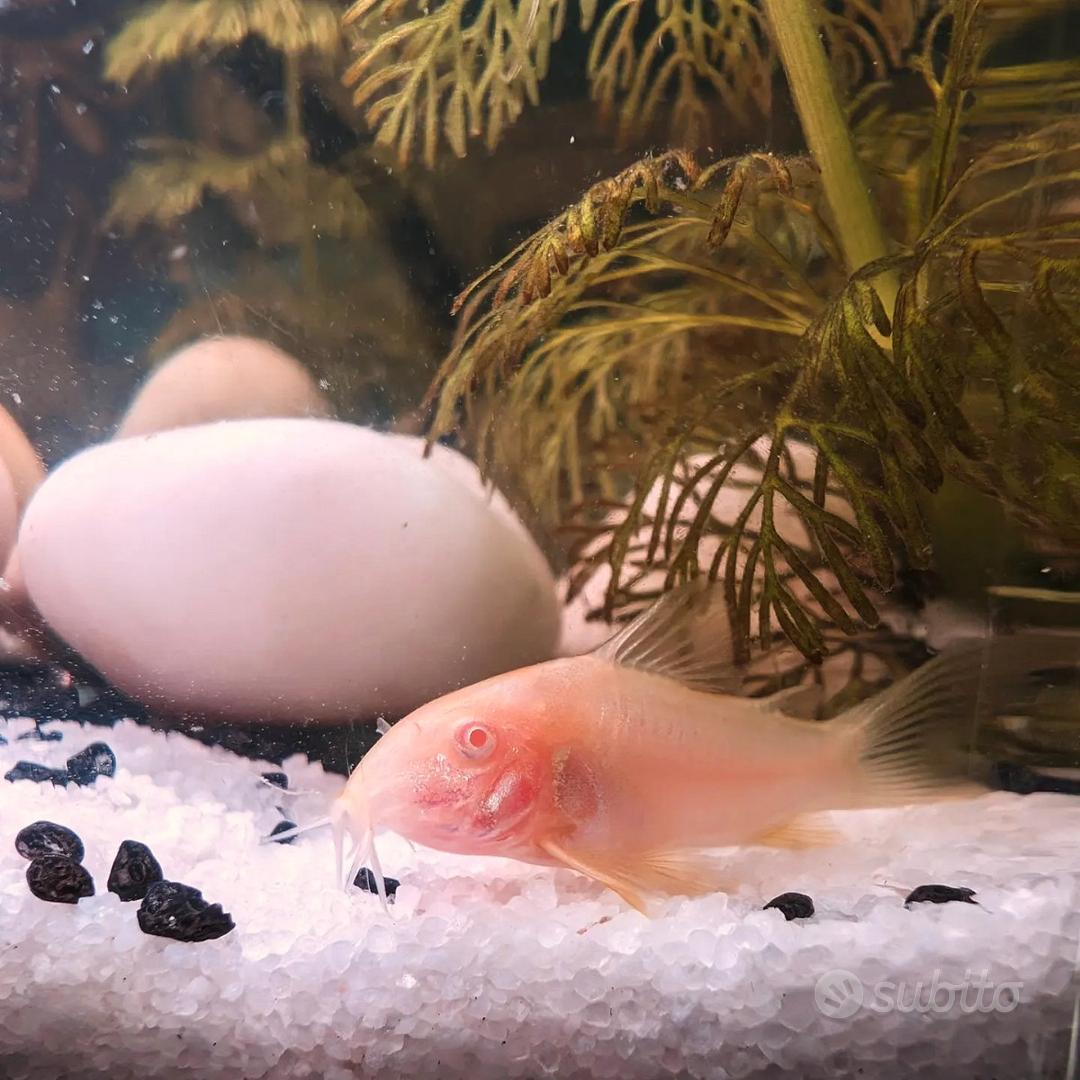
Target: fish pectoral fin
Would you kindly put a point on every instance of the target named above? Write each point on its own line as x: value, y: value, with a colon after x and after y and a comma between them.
x: 588, y: 864
x: 798, y: 834
x: 634, y: 874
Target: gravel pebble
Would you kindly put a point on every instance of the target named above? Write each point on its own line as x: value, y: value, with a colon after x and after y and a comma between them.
x: 280, y: 827
x: 38, y: 735
x: 48, y: 838
x: 133, y: 871
x: 177, y: 911
x: 939, y: 894
x: 793, y: 905
x: 59, y: 880
x: 88, y: 764
x: 40, y: 774
x: 365, y: 880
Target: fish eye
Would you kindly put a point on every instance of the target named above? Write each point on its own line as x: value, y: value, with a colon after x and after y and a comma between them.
x: 475, y: 740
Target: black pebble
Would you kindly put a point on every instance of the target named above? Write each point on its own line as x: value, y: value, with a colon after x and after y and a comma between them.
x: 283, y: 826
x: 133, y: 871
x: 278, y: 779
x: 59, y: 880
x: 40, y: 736
x: 31, y: 770
x: 793, y: 905
x: 176, y: 911
x: 365, y: 880
x: 939, y: 894
x: 48, y: 838
x: 87, y: 765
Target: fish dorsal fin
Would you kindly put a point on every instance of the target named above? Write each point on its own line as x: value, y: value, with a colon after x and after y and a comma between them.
x: 685, y: 635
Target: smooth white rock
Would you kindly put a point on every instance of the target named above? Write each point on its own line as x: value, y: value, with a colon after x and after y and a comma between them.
x: 222, y: 378
x: 284, y: 568
x: 22, y: 471
x: 20, y: 457
x: 9, y: 513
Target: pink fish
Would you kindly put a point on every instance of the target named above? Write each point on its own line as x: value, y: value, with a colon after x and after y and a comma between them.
x: 630, y: 763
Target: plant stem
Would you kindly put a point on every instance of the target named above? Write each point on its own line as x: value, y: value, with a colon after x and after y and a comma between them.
x: 293, y: 88
x: 796, y: 33
x: 293, y: 91
x: 964, y: 48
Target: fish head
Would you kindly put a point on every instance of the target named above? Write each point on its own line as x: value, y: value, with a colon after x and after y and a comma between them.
x: 467, y: 773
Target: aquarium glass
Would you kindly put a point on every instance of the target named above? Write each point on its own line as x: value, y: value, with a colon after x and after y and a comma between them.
x: 539, y: 538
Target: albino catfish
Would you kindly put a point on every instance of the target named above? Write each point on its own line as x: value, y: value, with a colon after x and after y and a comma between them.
x: 628, y: 764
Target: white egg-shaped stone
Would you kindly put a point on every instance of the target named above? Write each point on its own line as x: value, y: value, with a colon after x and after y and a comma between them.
x: 22, y: 461
x: 222, y: 378
x: 284, y: 569
x: 23, y: 471
x: 9, y: 513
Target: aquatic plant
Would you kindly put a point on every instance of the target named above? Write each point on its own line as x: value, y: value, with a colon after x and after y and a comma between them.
x: 301, y: 211
x: 168, y: 31
x: 432, y: 72
x: 297, y: 198
x: 759, y: 368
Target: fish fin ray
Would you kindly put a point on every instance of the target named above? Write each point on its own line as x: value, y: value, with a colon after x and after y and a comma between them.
x: 597, y: 871
x: 798, y: 834
x: 791, y: 701
x: 686, y: 636
x: 917, y: 739
x: 633, y: 875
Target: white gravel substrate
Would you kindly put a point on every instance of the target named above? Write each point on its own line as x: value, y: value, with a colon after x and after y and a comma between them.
x: 495, y: 969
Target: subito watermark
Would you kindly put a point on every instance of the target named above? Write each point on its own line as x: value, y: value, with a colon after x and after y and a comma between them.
x: 840, y: 994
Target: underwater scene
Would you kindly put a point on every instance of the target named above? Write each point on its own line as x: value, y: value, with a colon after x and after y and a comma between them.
x: 539, y: 538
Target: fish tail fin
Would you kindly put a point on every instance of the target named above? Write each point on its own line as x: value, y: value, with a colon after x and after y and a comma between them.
x: 919, y: 739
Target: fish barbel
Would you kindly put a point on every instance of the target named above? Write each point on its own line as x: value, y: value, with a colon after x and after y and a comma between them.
x: 628, y: 764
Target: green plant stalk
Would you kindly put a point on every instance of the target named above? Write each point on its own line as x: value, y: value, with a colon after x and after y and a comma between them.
x: 292, y: 78
x: 293, y: 88
x: 961, y: 65
x: 796, y: 33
